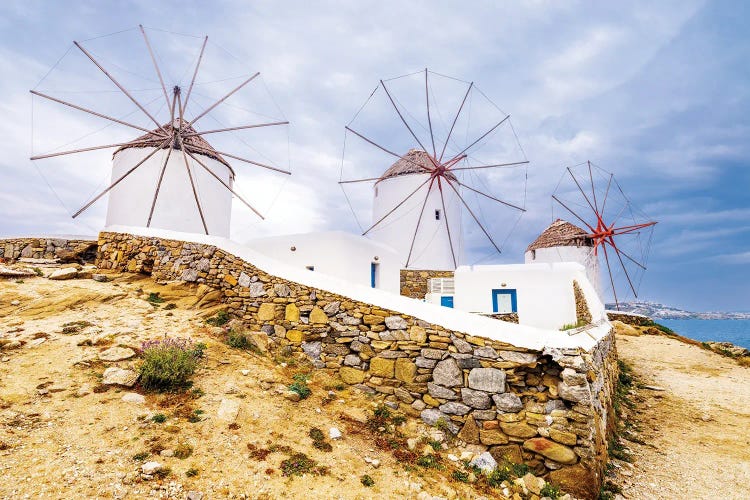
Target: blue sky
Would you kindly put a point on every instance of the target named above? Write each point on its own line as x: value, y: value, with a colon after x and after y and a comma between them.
x: 656, y: 92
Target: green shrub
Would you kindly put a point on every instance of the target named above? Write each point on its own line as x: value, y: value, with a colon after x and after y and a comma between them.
x: 153, y: 298
x: 183, y: 450
x: 299, y: 464
x: 236, y: 338
x: 169, y: 364
x: 220, y: 319
x: 159, y: 418
x: 429, y: 462
x: 191, y: 472
x: 367, y: 480
x: 300, y: 385
x: 550, y: 491
x: 37, y: 271
x: 461, y: 476
x: 140, y: 457
x: 170, y: 306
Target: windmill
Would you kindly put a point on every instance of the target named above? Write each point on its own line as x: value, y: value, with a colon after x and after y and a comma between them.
x: 170, y: 176
x: 450, y: 150
x: 618, y: 232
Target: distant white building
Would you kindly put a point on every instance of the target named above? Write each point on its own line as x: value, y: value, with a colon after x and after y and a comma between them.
x: 346, y: 256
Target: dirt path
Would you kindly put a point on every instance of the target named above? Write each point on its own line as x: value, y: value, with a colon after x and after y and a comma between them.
x: 697, y: 430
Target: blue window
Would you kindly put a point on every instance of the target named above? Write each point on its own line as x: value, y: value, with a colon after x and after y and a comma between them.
x: 504, y: 301
x: 374, y: 274
x: 446, y: 301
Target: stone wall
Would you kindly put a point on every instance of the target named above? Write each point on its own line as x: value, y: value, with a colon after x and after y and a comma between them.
x: 66, y: 250
x: 583, y: 313
x: 414, y: 281
x: 507, y: 317
x: 549, y: 409
x: 630, y: 318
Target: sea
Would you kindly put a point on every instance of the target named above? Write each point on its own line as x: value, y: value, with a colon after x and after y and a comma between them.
x: 736, y: 331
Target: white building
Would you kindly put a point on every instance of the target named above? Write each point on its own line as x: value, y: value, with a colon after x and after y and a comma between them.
x: 565, y: 242
x: 342, y: 255
x: 425, y: 230
x: 176, y: 209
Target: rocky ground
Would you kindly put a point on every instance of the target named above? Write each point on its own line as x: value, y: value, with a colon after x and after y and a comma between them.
x: 687, y: 433
x: 69, y: 428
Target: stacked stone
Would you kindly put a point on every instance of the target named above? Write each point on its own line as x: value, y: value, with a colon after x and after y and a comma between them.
x: 507, y: 317
x: 414, y: 282
x: 47, y: 248
x: 630, y: 318
x: 583, y: 313
x: 549, y: 409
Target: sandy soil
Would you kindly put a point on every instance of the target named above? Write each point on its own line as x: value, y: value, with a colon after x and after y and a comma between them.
x: 697, y: 429
x: 56, y: 444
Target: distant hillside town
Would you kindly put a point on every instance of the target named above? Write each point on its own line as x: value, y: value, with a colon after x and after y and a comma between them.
x: 661, y: 311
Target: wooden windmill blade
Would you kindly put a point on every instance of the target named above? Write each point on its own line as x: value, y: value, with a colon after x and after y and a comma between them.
x: 432, y: 150
x: 619, y: 233
x: 175, y: 136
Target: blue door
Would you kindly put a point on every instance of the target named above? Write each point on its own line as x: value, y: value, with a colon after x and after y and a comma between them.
x: 373, y: 274
x: 446, y: 301
x: 504, y: 301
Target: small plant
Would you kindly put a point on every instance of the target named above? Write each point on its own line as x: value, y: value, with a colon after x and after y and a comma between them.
x: 497, y: 476
x: 169, y: 364
x: 183, y: 450
x: 460, y: 476
x: 221, y: 318
x: 573, y: 326
x: 19, y: 282
x: 159, y: 418
x: 300, y: 385
x: 191, y: 472
x: 435, y: 445
x: 37, y: 271
x: 367, y: 481
x: 551, y: 491
x: 163, y: 472
x: 196, y: 416
x: 299, y: 464
x: 170, y: 306
x: 236, y: 338
x: 140, y: 457
x: 319, y: 440
x: 154, y: 299
x: 429, y: 462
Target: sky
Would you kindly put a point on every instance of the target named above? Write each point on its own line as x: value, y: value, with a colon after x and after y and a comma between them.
x: 657, y: 93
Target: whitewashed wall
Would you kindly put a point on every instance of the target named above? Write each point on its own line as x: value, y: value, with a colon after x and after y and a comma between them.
x: 176, y: 210
x: 431, y: 247
x: 335, y: 253
x: 582, y: 255
x: 544, y: 291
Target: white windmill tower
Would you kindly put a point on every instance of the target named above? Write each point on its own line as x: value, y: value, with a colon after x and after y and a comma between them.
x: 434, y: 217
x: 420, y: 200
x: 170, y: 177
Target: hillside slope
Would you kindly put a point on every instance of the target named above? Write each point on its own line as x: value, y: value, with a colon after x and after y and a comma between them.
x: 64, y: 434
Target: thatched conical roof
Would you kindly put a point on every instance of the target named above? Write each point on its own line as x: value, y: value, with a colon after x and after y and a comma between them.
x: 415, y: 161
x: 562, y: 234
x: 194, y: 143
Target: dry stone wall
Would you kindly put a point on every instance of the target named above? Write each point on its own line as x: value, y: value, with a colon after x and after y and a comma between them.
x: 549, y: 409
x: 583, y: 313
x: 48, y: 248
x: 414, y: 281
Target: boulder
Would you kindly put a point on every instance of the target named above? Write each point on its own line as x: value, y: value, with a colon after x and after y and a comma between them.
x: 119, y: 376
x: 228, y: 410
x: 116, y: 354
x: 133, y: 397
x: 577, y: 481
x: 485, y: 462
x: 66, y: 273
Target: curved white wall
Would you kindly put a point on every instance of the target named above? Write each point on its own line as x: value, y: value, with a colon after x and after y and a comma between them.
x: 176, y: 210
x: 582, y: 255
x: 335, y: 253
x: 432, y: 249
